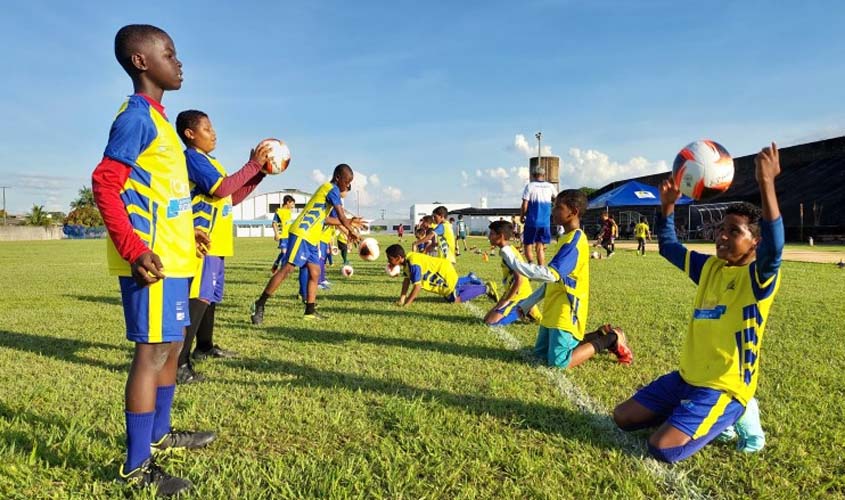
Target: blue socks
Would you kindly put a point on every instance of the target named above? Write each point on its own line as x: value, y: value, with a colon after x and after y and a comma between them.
x: 469, y: 292
x: 510, y: 318
x: 164, y: 400
x: 139, y: 429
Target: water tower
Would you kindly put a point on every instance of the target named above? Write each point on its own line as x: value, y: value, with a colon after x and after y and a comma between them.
x: 551, y: 165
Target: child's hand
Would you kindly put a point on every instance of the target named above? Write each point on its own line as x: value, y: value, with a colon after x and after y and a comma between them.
x: 202, y: 242
x: 669, y: 192
x: 146, y: 269
x: 767, y: 164
x: 260, y: 153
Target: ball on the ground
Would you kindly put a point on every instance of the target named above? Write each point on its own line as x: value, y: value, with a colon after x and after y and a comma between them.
x: 393, y: 271
x: 703, y: 169
x: 595, y: 255
x: 279, y: 157
x: 368, y: 249
x: 347, y: 270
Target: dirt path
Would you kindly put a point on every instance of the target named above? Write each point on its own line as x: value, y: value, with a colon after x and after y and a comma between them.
x: 832, y: 256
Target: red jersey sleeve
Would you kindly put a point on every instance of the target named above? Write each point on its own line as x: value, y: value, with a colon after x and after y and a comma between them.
x: 107, y: 181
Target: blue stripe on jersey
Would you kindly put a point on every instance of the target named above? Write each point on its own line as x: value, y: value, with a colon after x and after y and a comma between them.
x: 131, y: 133
x: 201, y: 172
x: 140, y: 223
x: 567, y: 257
x: 203, y: 222
x: 141, y: 176
x: 134, y: 198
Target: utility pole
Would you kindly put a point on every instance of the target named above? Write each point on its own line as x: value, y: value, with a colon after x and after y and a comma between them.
x: 539, y: 136
x: 4, y: 203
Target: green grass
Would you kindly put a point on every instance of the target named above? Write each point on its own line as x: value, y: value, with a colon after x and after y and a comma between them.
x: 379, y: 402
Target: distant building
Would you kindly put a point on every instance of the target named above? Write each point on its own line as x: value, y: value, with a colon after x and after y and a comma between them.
x: 478, y: 219
x: 418, y: 210
x: 551, y: 166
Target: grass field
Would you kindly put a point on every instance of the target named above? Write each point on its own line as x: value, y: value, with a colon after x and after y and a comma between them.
x: 378, y: 402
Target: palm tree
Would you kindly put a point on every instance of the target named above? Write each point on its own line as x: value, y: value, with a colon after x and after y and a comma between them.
x: 38, y: 217
x: 86, y: 199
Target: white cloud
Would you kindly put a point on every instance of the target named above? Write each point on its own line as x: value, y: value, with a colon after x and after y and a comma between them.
x: 589, y: 167
x: 318, y: 176
x: 521, y: 145
x: 500, y: 185
x: 375, y: 181
x: 392, y: 193
x: 366, y: 190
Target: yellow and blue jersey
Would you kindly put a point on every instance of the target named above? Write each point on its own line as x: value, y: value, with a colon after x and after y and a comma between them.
x: 445, y: 239
x: 309, y: 223
x: 157, y: 193
x: 724, y: 340
x: 433, y: 274
x: 212, y: 215
x: 566, y: 300
x: 509, y: 275
x: 282, y: 218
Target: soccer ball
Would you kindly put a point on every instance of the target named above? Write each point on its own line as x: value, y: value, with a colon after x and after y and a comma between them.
x: 347, y: 270
x: 703, y: 169
x: 279, y: 157
x: 393, y: 271
x: 368, y: 249
x: 595, y: 255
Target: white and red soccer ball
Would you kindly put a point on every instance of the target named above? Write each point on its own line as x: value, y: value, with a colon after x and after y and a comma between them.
x: 368, y: 249
x: 393, y: 271
x: 703, y: 169
x: 347, y: 270
x: 279, y: 157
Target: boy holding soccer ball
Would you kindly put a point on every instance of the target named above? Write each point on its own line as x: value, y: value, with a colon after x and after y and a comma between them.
x: 213, y: 194
x: 720, y: 360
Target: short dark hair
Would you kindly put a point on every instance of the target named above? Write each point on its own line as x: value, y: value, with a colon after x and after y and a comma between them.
x: 340, y: 170
x: 575, y: 199
x: 129, y: 39
x: 395, y: 250
x: 749, y: 211
x: 642, y: 219
x: 287, y: 199
x: 427, y: 219
x: 441, y: 211
x: 460, y: 216
x: 188, y: 119
x: 502, y: 227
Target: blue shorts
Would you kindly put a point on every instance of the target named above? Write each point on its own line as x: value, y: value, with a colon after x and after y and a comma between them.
x: 533, y: 234
x: 208, y: 284
x: 301, y: 252
x: 696, y: 411
x: 156, y: 313
x: 555, y: 346
x: 283, y: 244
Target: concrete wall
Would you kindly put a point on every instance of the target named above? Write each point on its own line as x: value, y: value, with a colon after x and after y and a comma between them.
x: 30, y: 233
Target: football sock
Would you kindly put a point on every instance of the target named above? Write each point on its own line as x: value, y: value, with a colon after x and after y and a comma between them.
x: 205, y: 333
x: 510, y: 318
x: 139, y: 431
x: 197, y: 309
x: 161, y: 423
x: 601, y: 342
x: 303, y: 281
x: 469, y: 292
x: 310, y: 307
x: 263, y: 299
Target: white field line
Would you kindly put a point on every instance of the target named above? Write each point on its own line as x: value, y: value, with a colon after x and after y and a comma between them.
x: 673, y: 479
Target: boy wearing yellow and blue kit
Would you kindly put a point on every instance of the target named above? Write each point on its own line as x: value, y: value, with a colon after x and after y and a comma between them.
x: 506, y: 311
x: 213, y: 194
x: 141, y: 189
x: 432, y: 274
x: 720, y: 360
x: 441, y: 237
x: 562, y: 341
x: 281, y: 229
x: 304, y: 241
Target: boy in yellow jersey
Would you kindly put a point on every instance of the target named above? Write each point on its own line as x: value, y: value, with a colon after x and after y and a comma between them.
x: 281, y: 229
x: 720, y: 360
x: 506, y: 311
x: 214, y: 192
x: 441, y: 238
x: 141, y: 189
x: 304, y: 241
x: 432, y: 274
x: 562, y: 341
x: 642, y: 232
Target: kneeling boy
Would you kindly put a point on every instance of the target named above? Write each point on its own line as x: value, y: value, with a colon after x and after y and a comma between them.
x: 432, y: 274
x: 506, y: 311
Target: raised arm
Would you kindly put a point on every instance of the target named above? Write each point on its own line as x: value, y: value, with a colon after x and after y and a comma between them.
x: 670, y: 248
x: 767, y: 168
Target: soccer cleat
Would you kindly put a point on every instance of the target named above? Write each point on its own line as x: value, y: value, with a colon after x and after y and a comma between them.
x: 189, y: 440
x: 185, y: 374
x: 214, y: 352
x: 535, y: 315
x: 324, y: 285
x: 492, y: 291
x: 150, y: 474
x: 624, y: 354
x: 315, y: 316
x: 256, y: 313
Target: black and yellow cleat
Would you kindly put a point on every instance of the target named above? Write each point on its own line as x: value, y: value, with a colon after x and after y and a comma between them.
x: 189, y: 440
x: 150, y: 474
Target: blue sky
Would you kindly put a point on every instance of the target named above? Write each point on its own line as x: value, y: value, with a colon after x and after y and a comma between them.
x: 427, y: 100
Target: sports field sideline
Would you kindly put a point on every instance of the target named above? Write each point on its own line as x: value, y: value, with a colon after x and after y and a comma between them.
x: 378, y: 402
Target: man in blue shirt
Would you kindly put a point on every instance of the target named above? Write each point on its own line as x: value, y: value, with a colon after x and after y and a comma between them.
x: 535, y: 214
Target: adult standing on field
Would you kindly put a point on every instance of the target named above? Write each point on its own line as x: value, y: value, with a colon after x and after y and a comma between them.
x: 535, y: 214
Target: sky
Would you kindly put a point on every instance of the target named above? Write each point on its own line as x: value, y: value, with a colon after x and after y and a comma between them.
x: 427, y: 101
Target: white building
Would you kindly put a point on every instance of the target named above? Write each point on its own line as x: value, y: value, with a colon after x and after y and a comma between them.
x: 254, y: 216
x: 419, y: 210
x: 478, y: 219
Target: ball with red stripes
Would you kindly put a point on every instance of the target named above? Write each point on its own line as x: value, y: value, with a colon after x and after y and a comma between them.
x: 703, y: 169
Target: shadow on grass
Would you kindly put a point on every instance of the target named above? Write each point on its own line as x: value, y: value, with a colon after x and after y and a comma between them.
x: 43, y: 439
x: 97, y: 299
x: 335, y: 337
x: 595, y: 429
x: 63, y: 349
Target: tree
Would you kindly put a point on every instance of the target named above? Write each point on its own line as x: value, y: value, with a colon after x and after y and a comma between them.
x: 86, y: 199
x: 587, y: 190
x: 38, y: 217
x: 84, y: 216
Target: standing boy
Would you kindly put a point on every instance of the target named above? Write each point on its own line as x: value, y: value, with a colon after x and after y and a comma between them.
x: 281, y: 229
x: 462, y: 233
x: 720, y: 360
x: 561, y: 341
x: 535, y: 214
x: 141, y: 189
x: 442, y: 235
x: 213, y: 194
x: 506, y: 311
x: 642, y: 232
x: 606, y: 233
x: 304, y: 241
x: 432, y: 274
